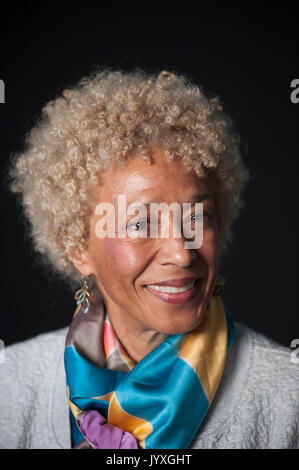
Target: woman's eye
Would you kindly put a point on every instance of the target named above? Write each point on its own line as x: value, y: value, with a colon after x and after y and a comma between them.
x: 138, y: 227
x: 201, y: 215
x: 134, y: 226
x: 198, y: 216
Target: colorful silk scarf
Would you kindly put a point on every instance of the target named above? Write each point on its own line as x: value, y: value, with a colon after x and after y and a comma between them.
x: 160, y: 402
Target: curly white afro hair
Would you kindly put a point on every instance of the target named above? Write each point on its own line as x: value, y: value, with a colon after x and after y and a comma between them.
x: 110, y: 117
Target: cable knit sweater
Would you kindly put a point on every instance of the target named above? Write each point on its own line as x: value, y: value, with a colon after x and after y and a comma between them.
x: 256, y: 404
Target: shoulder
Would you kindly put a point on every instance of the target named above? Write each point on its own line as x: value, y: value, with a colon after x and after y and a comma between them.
x: 28, y: 361
x: 34, y: 353
x: 28, y: 372
x: 273, y: 388
x: 272, y: 366
x: 257, y: 402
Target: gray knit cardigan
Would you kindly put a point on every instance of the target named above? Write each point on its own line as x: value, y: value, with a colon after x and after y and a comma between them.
x: 256, y: 404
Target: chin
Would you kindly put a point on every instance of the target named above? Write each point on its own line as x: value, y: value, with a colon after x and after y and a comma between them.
x: 179, y: 323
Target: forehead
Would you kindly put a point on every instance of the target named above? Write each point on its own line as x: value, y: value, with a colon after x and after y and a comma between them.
x: 161, y: 180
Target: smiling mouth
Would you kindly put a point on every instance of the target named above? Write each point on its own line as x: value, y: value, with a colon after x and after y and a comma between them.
x: 171, y: 289
x: 175, y: 294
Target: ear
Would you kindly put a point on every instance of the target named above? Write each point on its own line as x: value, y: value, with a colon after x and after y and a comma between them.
x: 82, y: 263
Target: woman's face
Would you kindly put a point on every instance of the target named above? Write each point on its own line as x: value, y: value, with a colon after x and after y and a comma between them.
x: 125, y: 268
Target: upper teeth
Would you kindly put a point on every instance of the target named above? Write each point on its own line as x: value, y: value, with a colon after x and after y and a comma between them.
x: 171, y: 289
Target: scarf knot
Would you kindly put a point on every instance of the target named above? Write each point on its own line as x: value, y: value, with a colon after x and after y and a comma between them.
x: 102, y: 435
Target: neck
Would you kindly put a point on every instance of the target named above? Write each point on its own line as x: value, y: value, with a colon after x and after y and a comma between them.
x: 137, y: 340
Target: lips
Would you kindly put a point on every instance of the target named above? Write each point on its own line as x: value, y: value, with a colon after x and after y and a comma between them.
x: 175, y: 282
x: 171, y: 289
x: 176, y: 291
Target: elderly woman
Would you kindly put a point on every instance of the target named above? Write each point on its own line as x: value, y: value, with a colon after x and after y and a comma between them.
x: 152, y: 358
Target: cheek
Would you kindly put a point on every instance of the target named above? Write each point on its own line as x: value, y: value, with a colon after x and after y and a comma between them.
x: 209, y: 250
x: 121, y: 257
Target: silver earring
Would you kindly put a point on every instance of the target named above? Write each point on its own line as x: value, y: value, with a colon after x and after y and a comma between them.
x: 84, y: 296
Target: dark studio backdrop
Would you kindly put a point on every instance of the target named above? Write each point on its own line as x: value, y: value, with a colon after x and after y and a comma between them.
x: 247, y: 55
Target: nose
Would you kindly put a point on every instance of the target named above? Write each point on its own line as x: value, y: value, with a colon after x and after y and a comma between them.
x: 173, y: 251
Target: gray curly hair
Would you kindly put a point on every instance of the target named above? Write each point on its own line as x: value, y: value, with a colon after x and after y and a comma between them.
x: 108, y: 118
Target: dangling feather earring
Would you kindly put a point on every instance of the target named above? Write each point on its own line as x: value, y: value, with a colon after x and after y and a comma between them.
x: 85, y: 297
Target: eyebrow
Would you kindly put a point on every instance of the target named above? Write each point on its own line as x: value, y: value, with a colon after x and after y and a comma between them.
x: 193, y: 199
x: 201, y: 197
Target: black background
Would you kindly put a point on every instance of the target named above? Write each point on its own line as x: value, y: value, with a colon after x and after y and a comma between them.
x: 247, y: 54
